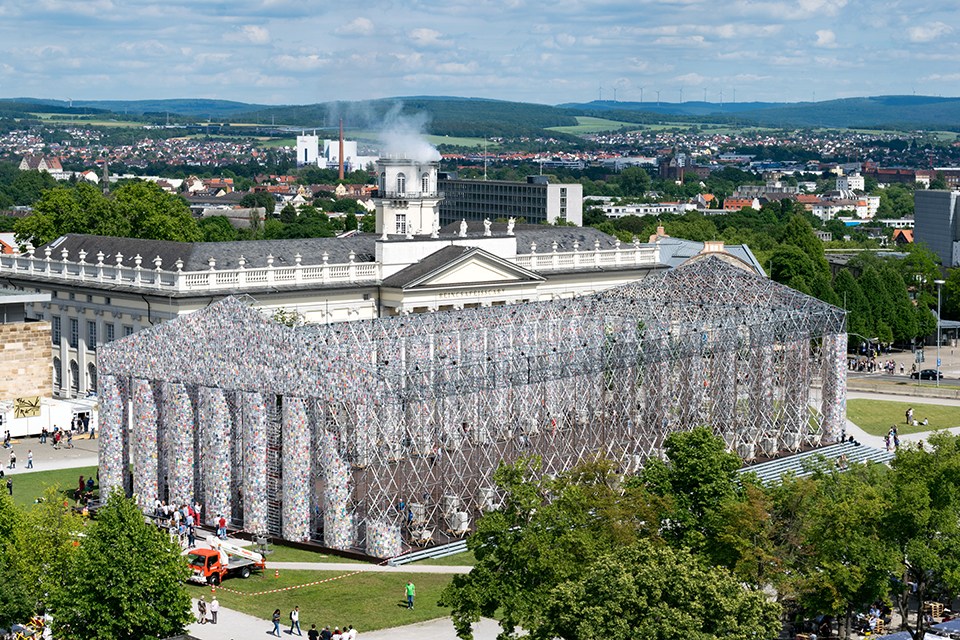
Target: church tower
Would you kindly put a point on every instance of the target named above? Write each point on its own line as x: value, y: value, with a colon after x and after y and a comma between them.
x: 407, y: 199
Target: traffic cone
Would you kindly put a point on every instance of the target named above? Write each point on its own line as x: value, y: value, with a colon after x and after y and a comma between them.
x: 277, y: 575
x: 213, y: 588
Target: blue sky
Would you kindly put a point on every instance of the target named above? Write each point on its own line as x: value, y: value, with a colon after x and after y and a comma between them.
x: 548, y: 51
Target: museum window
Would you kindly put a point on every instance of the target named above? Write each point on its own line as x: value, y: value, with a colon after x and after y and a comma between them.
x: 91, y: 335
x: 55, y: 330
x: 402, y: 223
x: 401, y: 183
x: 92, y: 378
x: 74, y: 333
x: 127, y: 330
x: 109, y: 328
x: 74, y: 377
x: 425, y: 184
x: 57, y: 374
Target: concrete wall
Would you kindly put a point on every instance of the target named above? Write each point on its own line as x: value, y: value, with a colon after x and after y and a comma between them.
x: 25, y: 360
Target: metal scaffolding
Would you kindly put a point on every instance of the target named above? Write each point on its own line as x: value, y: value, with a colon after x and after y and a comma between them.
x: 421, y: 409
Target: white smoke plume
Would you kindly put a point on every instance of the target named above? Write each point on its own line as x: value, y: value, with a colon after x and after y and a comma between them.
x: 402, y: 137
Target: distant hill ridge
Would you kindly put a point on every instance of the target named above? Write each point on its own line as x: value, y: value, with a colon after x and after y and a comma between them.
x: 484, y: 117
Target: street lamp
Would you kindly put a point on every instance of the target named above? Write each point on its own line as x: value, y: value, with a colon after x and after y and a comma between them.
x: 939, y: 283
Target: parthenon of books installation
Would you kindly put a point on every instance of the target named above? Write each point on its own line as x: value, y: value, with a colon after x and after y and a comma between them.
x: 320, y: 432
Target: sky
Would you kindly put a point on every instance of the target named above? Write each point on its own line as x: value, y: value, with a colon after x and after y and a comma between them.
x: 543, y: 51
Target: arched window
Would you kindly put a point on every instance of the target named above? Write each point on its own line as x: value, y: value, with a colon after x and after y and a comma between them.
x: 401, y: 183
x: 74, y: 377
x: 57, y: 374
x: 425, y: 183
x: 92, y: 378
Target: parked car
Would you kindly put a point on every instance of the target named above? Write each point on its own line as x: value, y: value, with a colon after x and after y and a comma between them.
x: 927, y: 374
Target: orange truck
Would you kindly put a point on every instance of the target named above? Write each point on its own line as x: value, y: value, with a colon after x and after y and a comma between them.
x: 211, y: 566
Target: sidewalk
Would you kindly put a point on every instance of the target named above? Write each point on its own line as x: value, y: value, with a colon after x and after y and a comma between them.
x: 233, y: 625
x: 85, y: 453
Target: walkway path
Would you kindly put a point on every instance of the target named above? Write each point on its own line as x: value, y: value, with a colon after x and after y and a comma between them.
x: 45, y: 458
x: 234, y: 625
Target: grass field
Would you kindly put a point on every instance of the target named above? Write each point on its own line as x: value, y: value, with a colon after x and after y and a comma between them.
x: 27, y: 487
x: 368, y: 601
x: 877, y: 416
x: 588, y: 125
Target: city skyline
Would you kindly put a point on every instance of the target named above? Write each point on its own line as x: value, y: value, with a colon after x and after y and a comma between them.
x: 302, y: 52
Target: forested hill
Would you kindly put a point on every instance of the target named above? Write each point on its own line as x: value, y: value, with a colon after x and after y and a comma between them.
x: 199, y: 108
x: 466, y: 117
x: 901, y: 112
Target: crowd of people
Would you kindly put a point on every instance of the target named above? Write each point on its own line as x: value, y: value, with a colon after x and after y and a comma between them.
x: 181, y: 521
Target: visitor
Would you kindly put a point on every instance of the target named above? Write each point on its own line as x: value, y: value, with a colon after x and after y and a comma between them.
x: 202, y: 610
x: 214, y: 608
x: 351, y: 633
x: 6, y: 439
x: 325, y: 634
x: 29, y: 458
x: 10, y: 486
x: 43, y: 436
x: 336, y: 634
x: 276, y: 622
x: 222, y: 527
x: 13, y: 459
x: 313, y: 634
x: 411, y: 591
x: 295, y: 621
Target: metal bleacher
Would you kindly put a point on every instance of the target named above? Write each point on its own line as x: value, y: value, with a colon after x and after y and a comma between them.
x: 440, y: 551
x: 804, y: 464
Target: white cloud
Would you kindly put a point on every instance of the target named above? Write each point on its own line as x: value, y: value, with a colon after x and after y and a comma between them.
x: 427, y: 38
x: 249, y: 33
x: 680, y: 41
x: 826, y: 39
x: 692, y: 79
x: 457, y: 68
x: 930, y: 31
x: 300, y: 63
x: 359, y: 27
x: 936, y: 77
x: 565, y: 39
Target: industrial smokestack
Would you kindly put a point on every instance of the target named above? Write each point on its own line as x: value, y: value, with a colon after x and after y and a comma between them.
x: 106, y: 178
x: 341, y: 148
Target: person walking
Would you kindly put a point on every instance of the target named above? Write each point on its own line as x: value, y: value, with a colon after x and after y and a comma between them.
x: 295, y: 621
x: 276, y: 622
x: 29, y: 458
x: 411, y: 591
x: 313, y: 634
x: 10, y: 486
x: 202, y: 610
x: 13, y: 459
x: 43, y: 436
x: 214, y: 608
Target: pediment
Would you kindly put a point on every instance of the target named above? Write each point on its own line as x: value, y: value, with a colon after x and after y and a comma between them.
x: 460, y: 266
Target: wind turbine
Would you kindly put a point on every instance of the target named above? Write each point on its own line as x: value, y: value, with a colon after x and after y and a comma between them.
x: 705, y: 94
x: 721, y: 97
x: 734, y: 95
x: 658, y: 96
x: 614, y: 94
x: 641, y: 94
x: 681, y: 94
x: 599, y: 92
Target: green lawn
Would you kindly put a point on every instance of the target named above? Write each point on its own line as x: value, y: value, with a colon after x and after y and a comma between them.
x: 289, y: 554
x: 27, y: 487
x: 877, y: 416
x: 368, y: 601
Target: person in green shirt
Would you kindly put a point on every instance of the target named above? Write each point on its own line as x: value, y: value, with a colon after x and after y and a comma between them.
x: 411, y: 591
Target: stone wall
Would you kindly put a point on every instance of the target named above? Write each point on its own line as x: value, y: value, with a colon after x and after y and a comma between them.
x: 26, y: 360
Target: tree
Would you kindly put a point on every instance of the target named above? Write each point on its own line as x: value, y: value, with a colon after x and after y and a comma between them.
x: 217, y: 229
x: 154, y: 214
x: 634, y: 181
x: 546, y: 533
x: 16, y: 605
x: 851, y: 298
x: 921, y: 521
x: 843, y: 559
x: 263, y: 199
x: 350, y: 222
x: 125, y: 582
x: 799, y: 233
x: 788, y: 262
x: 650, y: 591
x: 288, y: 215
x: 698, y: 477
